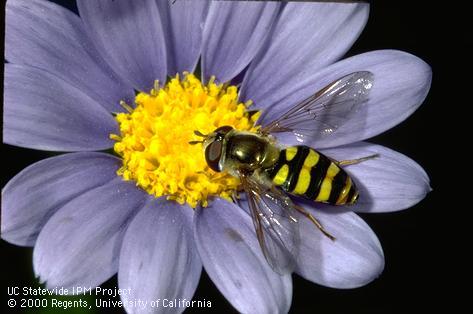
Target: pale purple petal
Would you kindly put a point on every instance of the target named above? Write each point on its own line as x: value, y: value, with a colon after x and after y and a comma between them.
x: 80, y: 244
x: 129, y: 34
x: 47, y: 36
x: 42, y: 111
x: 158, y: 259
x: 354, y: 259
x: 401, y: 83
x: 233, y: 34
x: 387, y: 183
x: 183, y: 25
x: 307, y: 37
x: 37, y: 192
x: 231, y: 255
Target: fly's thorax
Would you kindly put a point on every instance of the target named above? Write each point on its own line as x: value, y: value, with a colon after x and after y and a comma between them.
x: 246, y: 151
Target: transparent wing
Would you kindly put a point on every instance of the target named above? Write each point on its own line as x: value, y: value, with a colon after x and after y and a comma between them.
x: 325, y: 111
x: 276, y: 224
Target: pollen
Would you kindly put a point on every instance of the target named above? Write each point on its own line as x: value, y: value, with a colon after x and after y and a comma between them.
x: 155, y: 134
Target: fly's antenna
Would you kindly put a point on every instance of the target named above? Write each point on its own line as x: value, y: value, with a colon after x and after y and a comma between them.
x: 195, y: 142
x: 200, y: 134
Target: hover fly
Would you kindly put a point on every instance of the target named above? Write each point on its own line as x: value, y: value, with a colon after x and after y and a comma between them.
x: 268, y: 172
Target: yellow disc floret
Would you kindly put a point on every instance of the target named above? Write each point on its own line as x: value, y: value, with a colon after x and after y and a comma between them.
x: 155, y: 135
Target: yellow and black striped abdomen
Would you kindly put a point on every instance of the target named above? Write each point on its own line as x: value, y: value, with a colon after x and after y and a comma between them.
x: 302, y: 171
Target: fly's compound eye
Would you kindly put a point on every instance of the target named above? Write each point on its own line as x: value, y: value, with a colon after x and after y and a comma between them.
x: 213, y: 152
x: 223, y: 129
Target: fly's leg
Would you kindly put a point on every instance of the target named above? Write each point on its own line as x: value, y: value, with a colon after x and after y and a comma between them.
x: 315, y: 222
x: 355, y: 161
x: 235, y: 197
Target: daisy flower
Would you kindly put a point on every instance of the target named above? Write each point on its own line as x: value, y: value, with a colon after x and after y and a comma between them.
x: 134, y: 80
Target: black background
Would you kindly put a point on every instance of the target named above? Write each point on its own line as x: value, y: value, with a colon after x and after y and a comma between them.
x: 416, y: 241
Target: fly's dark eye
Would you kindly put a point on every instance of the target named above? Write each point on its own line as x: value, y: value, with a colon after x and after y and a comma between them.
x: 213, y: 152
x: 223, y: 129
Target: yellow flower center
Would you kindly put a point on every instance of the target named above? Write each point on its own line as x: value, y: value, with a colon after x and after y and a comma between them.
x: 155, y: 135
